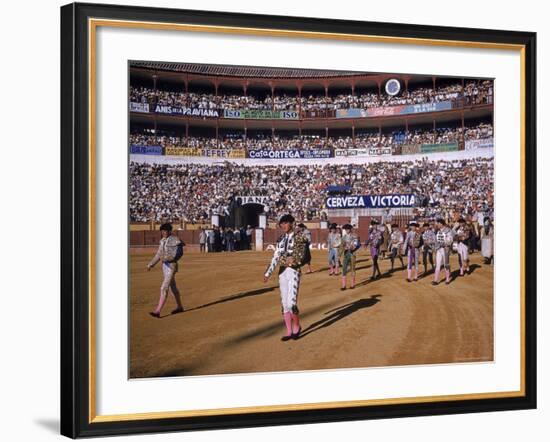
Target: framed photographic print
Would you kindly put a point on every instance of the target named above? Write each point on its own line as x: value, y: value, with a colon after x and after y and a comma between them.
x: 274, y: 220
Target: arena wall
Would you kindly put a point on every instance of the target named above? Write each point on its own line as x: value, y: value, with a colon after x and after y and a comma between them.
x: 144, y: 238
x: 190, y: 234
x: 151, y: 238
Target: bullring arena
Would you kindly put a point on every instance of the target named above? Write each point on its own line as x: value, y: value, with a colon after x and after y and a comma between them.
x: 228, y: 150
x: 232, y: 323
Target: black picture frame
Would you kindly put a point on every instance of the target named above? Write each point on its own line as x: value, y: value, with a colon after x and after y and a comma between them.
x: 76, y: 404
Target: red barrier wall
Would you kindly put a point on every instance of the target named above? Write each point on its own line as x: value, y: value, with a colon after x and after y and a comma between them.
x: 152, y: 237
x: 340, y: 220
x: 187, y: 236
x: 137, y: 238
x: 191, y: 237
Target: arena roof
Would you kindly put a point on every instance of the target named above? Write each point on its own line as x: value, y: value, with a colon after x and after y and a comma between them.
x: 242, y: 71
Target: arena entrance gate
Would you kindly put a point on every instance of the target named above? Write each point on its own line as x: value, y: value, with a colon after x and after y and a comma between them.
x: 251, y: 214
x: 245, y: 210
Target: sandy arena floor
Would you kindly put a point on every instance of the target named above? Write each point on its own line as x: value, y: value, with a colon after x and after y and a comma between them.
x: 232, y: 322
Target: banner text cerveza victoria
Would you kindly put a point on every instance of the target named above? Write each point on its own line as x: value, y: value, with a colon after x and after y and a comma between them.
x: 370, y: 201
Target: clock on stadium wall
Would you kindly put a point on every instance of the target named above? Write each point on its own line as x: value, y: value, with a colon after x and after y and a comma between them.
x: 151, y: 158
x: 393, y: 86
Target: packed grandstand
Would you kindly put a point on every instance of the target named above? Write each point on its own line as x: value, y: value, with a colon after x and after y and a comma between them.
x: 473, y: 93
x: 240, y: 125
x: 195, y: 192
x: 362, y: 140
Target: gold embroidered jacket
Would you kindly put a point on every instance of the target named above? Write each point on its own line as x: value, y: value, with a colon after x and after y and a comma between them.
x: 288, y: 245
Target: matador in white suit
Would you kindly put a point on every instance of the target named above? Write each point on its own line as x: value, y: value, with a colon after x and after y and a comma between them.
x: 289, y: 256
x: 169, y: 252
x: 444, y: 238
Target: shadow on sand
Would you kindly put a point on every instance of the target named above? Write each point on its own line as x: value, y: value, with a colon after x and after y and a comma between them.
x: 456, y: 273
x: 378, y: 278
x: 340, y: 313
x: 241, y: 295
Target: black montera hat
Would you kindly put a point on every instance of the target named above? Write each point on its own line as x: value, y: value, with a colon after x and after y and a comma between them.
x: 333, y: 226
x: 286, y: 219
x: 302, y: 225
x: 347, y: 227
x: 166, y: 226
x: 373, y: 222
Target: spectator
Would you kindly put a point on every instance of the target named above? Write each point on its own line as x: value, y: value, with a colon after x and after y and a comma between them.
x: 249, y: 232
x: 202, y: 240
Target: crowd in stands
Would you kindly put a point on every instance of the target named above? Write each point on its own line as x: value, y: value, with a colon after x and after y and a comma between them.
x: 474, y: 93
x: 194, y: 192
x: 277, y: 142
x: 478, y: 132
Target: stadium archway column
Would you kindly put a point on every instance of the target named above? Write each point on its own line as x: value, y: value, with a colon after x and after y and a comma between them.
x: 216, y: 220
x: 263, y: 221
x: 299, y: 86
x: 259, y: 240
x: 354, y: 218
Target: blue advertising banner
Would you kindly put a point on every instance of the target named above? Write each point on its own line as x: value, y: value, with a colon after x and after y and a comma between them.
x: 370, y: 201
x: 290, y: 154
x: 186, y: 111
x: 351, y: 113
x: 409, y: 109
x: 139, y: 107
x: 146, y: 150
x: 394, y: 110
x: 478, y: 144
x: 428, y: 107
